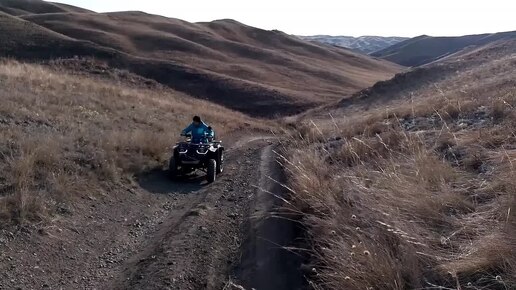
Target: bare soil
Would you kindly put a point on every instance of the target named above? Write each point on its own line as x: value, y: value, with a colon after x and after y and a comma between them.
x: 162, y: 235
x: 269, y: 259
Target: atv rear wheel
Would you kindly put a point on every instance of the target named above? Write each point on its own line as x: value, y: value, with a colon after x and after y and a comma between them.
x: 220, y: 163
x: 173, y: 168
x: 212, y: 170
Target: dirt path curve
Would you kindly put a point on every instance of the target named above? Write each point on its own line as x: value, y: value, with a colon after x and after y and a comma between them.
x: 164, y: 235
x: 196, y: 247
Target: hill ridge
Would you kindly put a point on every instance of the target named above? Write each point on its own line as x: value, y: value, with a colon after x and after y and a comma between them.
x: 259, y: 72
x: 425, y: 49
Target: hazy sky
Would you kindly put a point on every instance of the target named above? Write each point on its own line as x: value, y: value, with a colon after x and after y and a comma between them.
x: 335, y: 17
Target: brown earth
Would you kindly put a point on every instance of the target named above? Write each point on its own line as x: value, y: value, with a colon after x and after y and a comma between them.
x: 150, y: 234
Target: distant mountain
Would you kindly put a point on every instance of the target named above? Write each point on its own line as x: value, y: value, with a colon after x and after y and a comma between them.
x: 363, y: 44
x: 426, y: 49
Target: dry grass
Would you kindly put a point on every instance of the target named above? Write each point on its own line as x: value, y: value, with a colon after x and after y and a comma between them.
x: 414, y: 193
x: 64, y: 136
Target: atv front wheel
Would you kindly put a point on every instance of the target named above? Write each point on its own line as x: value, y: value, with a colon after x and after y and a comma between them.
x: 212, y: 170
x: 173, y: 168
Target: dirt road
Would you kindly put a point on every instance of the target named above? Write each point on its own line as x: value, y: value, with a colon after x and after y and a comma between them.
x: 160, y: 234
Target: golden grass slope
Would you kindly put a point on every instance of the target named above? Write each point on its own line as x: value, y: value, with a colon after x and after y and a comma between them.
x: 64, y: 136
x: 415, y: 190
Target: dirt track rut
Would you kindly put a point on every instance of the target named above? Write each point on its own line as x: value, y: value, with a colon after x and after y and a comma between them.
x: 197, y: 246
x: 165, y: 235
x: 266, y: 262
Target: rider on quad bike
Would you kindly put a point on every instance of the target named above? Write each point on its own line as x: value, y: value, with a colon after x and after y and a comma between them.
x: 200, y: 151
x: 199, y: 130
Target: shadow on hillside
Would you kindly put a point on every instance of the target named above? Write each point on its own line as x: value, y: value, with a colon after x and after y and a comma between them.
x: 158, y: 181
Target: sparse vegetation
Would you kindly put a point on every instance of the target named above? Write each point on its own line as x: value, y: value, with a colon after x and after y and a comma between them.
x: 65, y: 136
x: 414, y: 192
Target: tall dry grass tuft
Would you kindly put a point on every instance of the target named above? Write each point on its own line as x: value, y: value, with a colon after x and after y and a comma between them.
x: 403, y: 221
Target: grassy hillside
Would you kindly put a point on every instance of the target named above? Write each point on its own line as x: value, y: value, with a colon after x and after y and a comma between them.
x: 63, y: 137
x: 425, y: 49
x: 25, y: 40
x: 252, y: 70
x: 411, y: 184
x: 225, y: 46
x: 16, y: 7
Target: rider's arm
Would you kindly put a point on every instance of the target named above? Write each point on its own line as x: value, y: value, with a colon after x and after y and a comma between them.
x: 187, y: 129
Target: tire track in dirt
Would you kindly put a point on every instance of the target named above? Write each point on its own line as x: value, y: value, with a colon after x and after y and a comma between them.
x: 160, y: 234
x: 200, y: 246
x: 134, y: 270
x: 266, y: 262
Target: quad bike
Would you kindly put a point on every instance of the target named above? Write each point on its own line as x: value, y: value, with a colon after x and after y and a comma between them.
x: 207, y: 156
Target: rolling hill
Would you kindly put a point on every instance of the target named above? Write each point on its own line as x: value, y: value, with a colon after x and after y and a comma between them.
x: 363, y: 44
x: 24, y: 7
x: 425, y: 49
x: 263, y: 73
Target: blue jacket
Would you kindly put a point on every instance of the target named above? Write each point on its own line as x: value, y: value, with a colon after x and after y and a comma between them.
x: 199, y: 133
